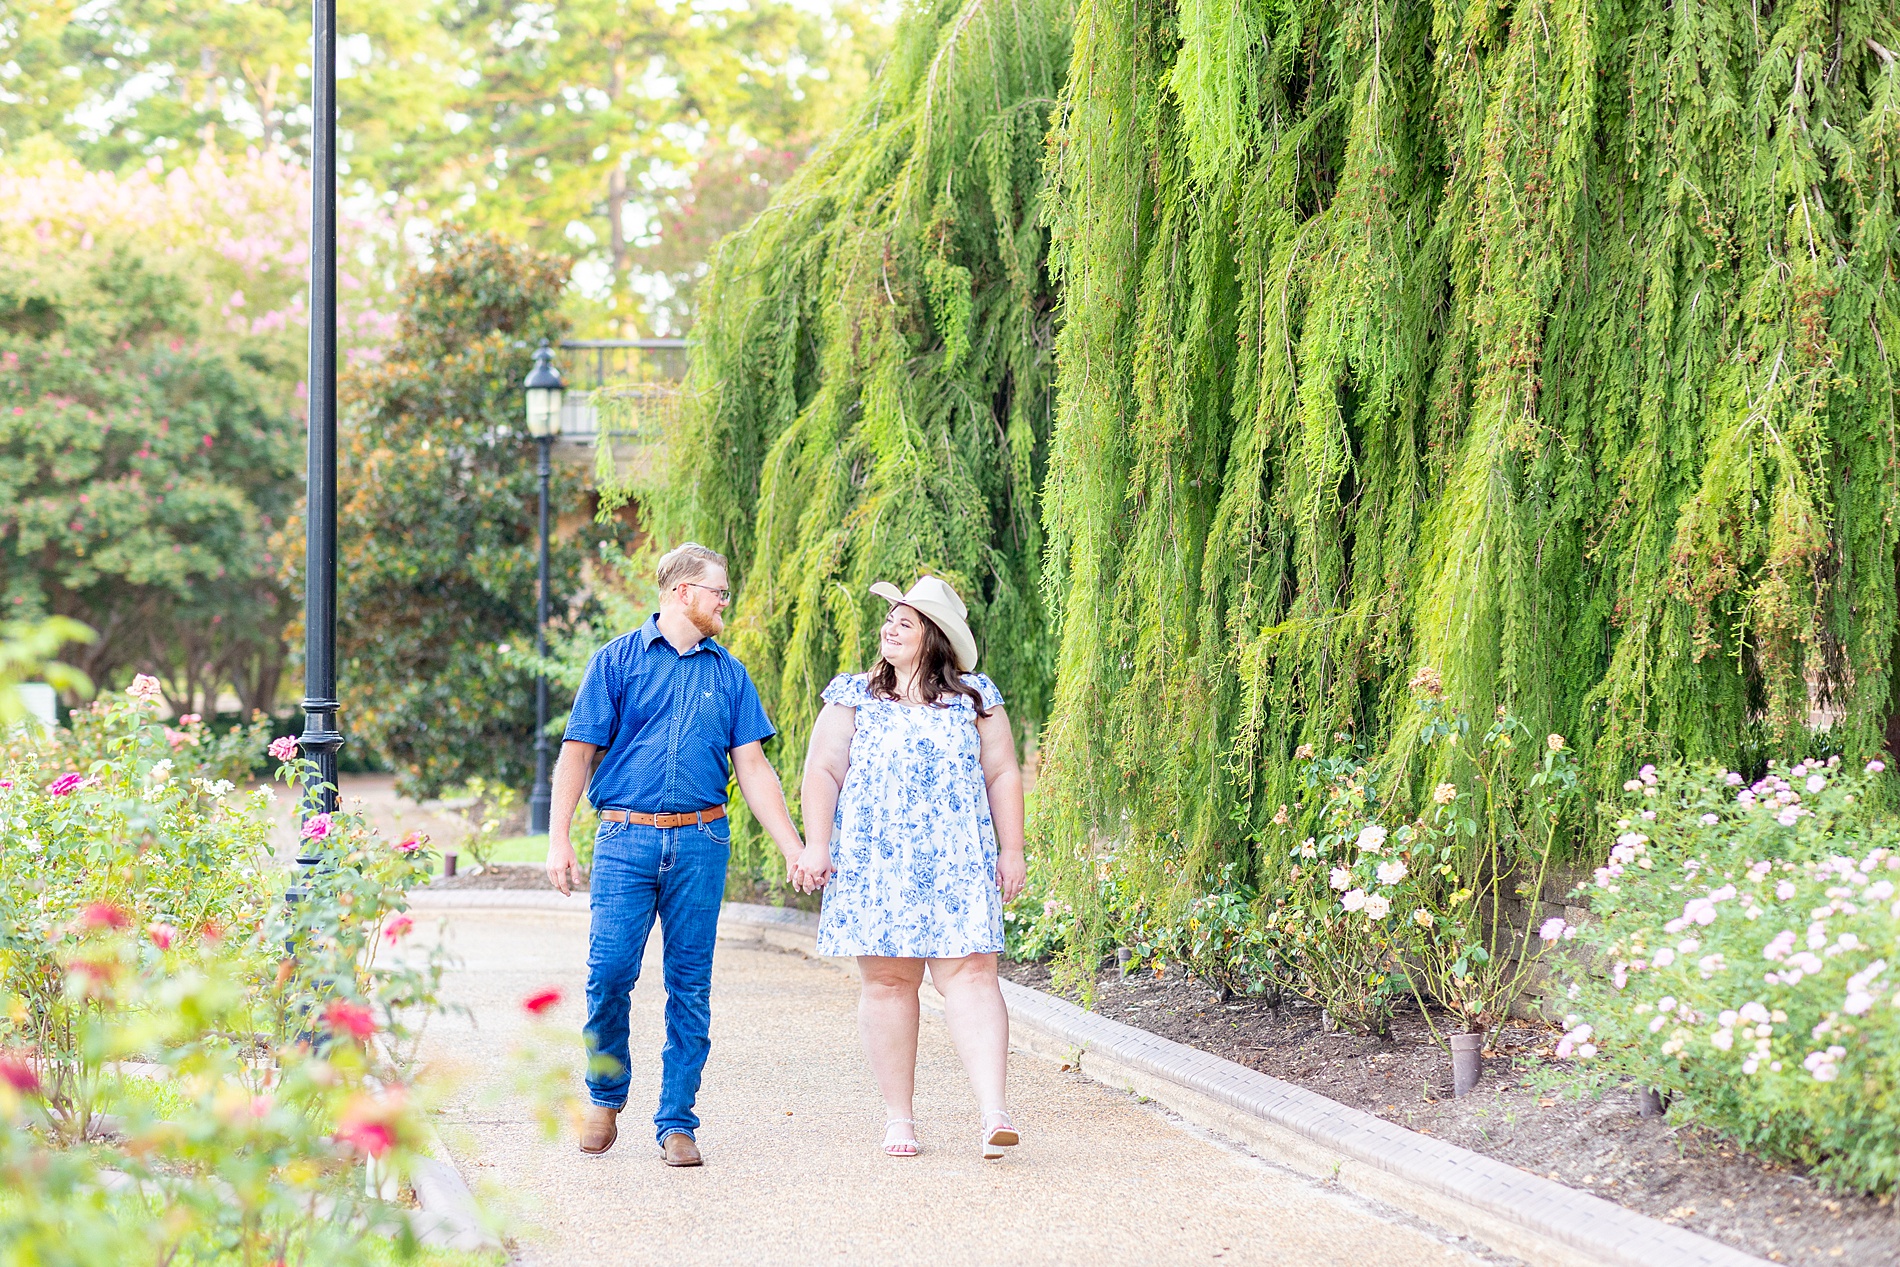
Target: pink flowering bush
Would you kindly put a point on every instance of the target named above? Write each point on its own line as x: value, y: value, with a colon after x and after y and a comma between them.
x: 1748, y: 937
x: 1379, y: 901
x: 143, y: 919
x: 1332, y: 916
x: 235, y: 226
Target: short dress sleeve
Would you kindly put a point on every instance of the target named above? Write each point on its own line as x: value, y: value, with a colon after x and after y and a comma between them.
x: 848, y: 690
x: 986, y: 688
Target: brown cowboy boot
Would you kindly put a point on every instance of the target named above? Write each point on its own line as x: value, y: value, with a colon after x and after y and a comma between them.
x: 678, y: 1149
x: 599, y: 1128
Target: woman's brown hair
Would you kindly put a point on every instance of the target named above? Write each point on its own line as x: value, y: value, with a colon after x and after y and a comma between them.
x: 937, y: 674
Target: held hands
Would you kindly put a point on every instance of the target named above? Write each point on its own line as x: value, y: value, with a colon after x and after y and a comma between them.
x: 564, y: 871
x: 811, y: 869
x: 1012, y: 872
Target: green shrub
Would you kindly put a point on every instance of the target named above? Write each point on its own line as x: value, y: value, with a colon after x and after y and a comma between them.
x: 1748, y: 947
x: 1221, y: 939
x: 1036, y: 926
x: 143, y: 938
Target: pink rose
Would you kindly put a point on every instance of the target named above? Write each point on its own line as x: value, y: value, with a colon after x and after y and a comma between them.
x: 18, y: 1074
x: 161, y: 935
x: 412, y: 842
x: 349, y: 1018
x: 283, y: 748
x: 396, y: 928
x: 317, y: 827
x: 103, y: 915
x: 65, y: 784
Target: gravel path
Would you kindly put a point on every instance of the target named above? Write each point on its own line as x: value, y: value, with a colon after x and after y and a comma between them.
x: 791, y: 1123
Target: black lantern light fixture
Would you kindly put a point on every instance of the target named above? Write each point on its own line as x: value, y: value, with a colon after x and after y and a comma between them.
x: 543, y: 389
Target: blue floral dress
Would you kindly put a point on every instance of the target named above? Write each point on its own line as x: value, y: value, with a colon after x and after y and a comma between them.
x: 913, y: 849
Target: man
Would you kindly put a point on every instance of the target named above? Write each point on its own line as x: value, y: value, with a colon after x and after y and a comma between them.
x: 663, y: 707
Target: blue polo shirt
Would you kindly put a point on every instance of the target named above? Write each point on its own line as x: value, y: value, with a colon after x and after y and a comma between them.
x: 668, y: 722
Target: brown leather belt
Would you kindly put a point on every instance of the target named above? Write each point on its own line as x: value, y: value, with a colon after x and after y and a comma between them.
x: 663, y: 821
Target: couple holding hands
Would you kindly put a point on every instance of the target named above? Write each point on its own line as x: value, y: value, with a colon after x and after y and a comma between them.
x: 913, y: 805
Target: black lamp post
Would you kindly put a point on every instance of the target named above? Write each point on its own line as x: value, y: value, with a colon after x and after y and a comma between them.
x: 321, y: 739
x: 543, y: 388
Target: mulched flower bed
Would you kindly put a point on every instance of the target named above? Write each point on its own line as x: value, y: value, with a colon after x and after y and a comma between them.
x: 498, y: 875
x: 1678, y: 1174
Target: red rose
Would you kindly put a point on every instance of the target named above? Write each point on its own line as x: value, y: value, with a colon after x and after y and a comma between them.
x: 349, y: 1018
x: 368, y: 1124
x: 541, y: 1000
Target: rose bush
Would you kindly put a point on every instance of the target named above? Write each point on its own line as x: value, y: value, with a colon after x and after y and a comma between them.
x: 1747, y: 946
x: 145, y: 938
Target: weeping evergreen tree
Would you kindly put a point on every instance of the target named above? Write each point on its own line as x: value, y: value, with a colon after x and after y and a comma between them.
x: 1546, y: 345
x: 871, y: 381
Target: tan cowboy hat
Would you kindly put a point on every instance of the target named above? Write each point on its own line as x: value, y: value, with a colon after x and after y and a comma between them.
x: 932, y: 596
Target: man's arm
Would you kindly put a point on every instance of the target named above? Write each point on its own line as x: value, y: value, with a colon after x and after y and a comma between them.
x: 759, y: 784
x: 570, y: 780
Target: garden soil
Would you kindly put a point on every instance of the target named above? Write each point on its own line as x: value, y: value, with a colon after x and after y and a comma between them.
x: 1528, y: 1111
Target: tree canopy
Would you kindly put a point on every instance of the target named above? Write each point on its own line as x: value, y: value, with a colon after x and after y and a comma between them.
x: 1541, y: 355
x: 592, y: 129
x: 141, y: 475
x: 1546, y: 350
x: 436, y: 521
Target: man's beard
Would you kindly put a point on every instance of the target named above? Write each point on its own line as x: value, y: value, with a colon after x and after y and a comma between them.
x: 709, y: 624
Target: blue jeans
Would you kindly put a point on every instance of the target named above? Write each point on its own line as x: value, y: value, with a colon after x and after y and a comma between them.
x: 678, y: 874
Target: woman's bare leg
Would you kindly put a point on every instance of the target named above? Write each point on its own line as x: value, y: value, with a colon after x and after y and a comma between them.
x: 979, y: 1024
x: 887, y: 1025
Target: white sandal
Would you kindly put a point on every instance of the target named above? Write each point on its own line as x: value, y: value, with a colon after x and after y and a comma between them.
x: 999, y: 1136
x: 900, y: 1147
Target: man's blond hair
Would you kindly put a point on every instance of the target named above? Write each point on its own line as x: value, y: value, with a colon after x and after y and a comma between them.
x: 687, y: 562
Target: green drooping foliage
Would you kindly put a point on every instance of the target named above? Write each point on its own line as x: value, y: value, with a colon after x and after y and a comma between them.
x: 1547, y: 347
x: 873, y: 369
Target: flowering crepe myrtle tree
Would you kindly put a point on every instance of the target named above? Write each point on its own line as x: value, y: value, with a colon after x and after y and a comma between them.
x: 151, y: 357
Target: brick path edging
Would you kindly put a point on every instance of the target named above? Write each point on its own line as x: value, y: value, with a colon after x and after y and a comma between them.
x: 1511, y: 1210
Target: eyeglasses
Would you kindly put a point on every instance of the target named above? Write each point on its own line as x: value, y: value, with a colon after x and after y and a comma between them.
x: 723, y: 594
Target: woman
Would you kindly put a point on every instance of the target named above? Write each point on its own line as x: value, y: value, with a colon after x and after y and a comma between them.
x: 911, y: 785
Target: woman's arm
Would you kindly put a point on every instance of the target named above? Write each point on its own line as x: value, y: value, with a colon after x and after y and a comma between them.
x: 827, y: 761
x: 1004, y: 780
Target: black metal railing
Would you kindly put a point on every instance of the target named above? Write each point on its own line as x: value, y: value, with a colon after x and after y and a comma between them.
x: 592, y: 363
x: 637, y: 382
